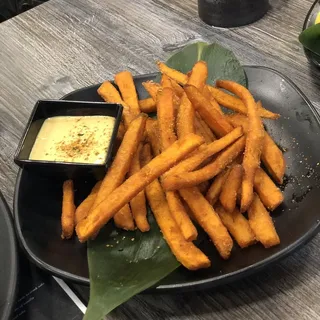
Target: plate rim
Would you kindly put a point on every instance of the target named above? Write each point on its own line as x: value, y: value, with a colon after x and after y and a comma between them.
x: 8, y: 218
x: 194, y: 285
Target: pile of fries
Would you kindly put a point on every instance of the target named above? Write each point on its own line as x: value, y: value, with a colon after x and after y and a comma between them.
x: 193, y: 165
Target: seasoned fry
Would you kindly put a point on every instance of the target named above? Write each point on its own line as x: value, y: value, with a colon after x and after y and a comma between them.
x: 199, y: 75
x: 208, y: 220
x: 172, y: 73
x: 235, y: 104
x: 85, y: 206
x: 181, y: 217
x: 68, y: 210
x: 152, y: 88
x: 110, y: 94
x: 185, y: 251
x: 122, y: 161
x: 138, y: 203
x: 238, y: 226
x: 215, y: 189
x: 177, y: 181
x: 200, y: 130
x: 166, y: 118
x: 271, y: 156
x: 254, y: 141
x: 125, y: 83
x: 261, y: 223
x: 207, y: 151
x: 178, y: 90
x: 153, y: 136
x: 228, y: 195
x: 206, y: 92
x: 114, y: 201
x: 217, y: 122
x: 147, y: 105
x: 206, y: 128
x: 165, y: 81
x: 185, y: 117
x: 269, y: 193
x: 123, y: 218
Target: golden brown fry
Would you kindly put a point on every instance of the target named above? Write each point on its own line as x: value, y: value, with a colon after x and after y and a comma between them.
x: 217, y: 122
x: 165, y: 81
x: 110, y: 94
x: 206, y: 92
x: 153, y: 136
x: 206, y: 128
x: 269, y: 193
x: 147, y: 105
x: 237, y: 225
x: 125, y: 83
x: 166, y: 118
x: 185, y: 117
x: 152, y: 88
x: 123, y: 218
x: 207, y: 151
x: 85, y: 206
x: 178, y: 90
x: 228, y: 195
x: 208, y: 220
x: 271, y: 156
x: 254, y: 141
x: 172, y: 73
x: 199, y: 75
x: 215, y: 189
x: 200, y: 130
x: 177, y: 181
x: 122, y: 160
x: 113, y: 202
x: 68, y: 210
x: 138, y: 203
x: 235, y: 104
x: 185, y: 251
x: 261, y: 223
x: 181, y: 217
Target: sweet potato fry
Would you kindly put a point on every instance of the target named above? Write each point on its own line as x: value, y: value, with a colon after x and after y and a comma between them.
x: 185, y: 117
x: 269, y: 193
x: 123, y: 218
x: 181, y: 217
x: 110, y: 94
x: 138, y: 203
x: 237, y: 225
x: 271, y: 156
x: 153, y: 136
x: 215, y: 189
x: 172, y: 73
x: 122, y: 160
x: 208, y: 220
x: 166, y: 117
x: 199, y: 75
x: 216, y: 121
x: 177, y: 181
x: 68, y: 210
x: 114, y: 201
x: 185, y: 251
x: 152, y: 88
x: 206, y: 92
x: 235, y: 104
x: 254, y: 141
x: 261, y: 223
x: 125, y: 83
x: 147, y: 105
x: 206, y: 128
x: 178, y: 90
x: 200, y: 130
x: 228, y: 195
x: 207, y: 151
x: 165, y: 81
x: 85, y: 206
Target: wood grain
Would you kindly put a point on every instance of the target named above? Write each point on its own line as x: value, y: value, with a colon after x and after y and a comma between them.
x: 64, y: 45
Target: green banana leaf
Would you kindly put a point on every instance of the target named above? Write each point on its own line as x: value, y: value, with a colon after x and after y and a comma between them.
x: 222, y: 63
x: 310, y: 38
x: 122, y: 264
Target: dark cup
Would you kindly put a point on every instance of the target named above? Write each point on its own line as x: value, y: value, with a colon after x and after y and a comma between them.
x: 231, y: 13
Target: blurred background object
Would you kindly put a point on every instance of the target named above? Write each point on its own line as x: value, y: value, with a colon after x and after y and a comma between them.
x: 10, y: 8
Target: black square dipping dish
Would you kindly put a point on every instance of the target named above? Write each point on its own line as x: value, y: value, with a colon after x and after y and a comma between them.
x: 45, y: 109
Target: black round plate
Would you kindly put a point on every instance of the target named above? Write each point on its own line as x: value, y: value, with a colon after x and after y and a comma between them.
x: 8, y: 261
x: 37, y: 203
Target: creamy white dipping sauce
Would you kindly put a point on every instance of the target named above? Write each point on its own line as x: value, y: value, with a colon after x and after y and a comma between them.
x: 74, y: 139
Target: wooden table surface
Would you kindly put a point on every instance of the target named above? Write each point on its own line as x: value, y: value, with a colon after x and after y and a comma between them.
x: 64, y: 45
